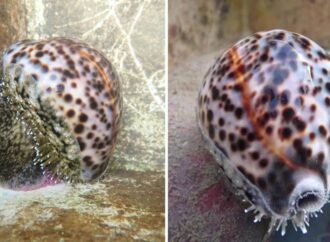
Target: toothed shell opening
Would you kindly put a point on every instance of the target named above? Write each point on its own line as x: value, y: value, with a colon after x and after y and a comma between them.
x: 310, y: 201
x: 309, y: 194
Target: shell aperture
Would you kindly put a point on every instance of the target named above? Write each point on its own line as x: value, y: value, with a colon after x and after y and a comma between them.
x: 263, y: 109
x: 61, y: 108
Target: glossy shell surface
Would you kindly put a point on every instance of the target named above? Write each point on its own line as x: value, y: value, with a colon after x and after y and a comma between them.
x: 81, y: 87
x: 263, y: 109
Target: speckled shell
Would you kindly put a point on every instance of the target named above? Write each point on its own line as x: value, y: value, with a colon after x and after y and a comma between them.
x: 81, y: 86
x: 264, y: 110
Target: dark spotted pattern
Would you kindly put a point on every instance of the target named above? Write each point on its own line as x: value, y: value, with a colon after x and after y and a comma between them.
x: 81, y: 84
x: 266, y: 103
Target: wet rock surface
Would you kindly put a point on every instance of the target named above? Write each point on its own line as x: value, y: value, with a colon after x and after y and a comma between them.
x: 12, y: 22
x: 123, y: 207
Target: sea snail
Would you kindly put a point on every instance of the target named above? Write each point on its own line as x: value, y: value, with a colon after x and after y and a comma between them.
x: 60, y: 108
x: 263, y: 109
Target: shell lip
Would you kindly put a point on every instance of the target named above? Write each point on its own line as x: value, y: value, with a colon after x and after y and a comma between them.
x: 309, y: 195
x: 310, y: 200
